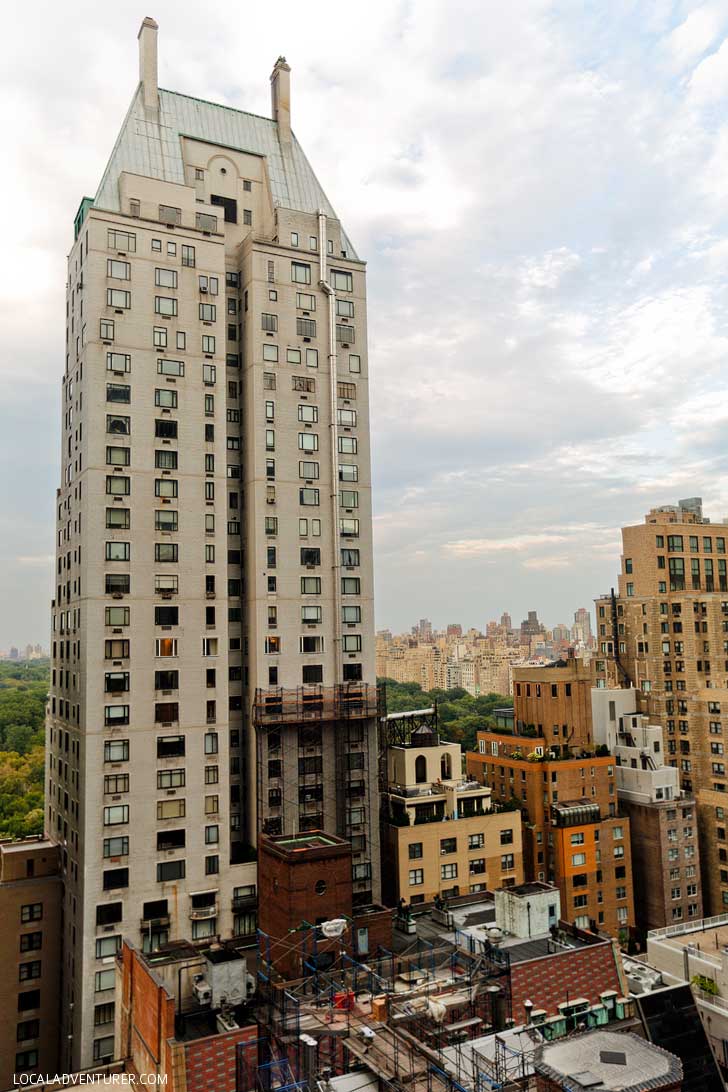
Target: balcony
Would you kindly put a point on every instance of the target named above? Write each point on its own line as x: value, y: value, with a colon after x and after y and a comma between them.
x: 153, y: 924
x: 199, y: 913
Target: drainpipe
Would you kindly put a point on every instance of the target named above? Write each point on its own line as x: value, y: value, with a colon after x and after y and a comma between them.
x: 334, y: 426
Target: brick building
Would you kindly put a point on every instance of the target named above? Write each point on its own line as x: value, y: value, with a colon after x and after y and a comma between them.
x: 306, y: 880
x: 442, y: 834
x: 164, y: 1032
x: 546, y: 766
x: 665, y: 632
x: 30, y: 952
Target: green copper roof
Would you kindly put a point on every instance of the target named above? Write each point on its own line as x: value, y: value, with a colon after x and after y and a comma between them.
x: 153, y: 148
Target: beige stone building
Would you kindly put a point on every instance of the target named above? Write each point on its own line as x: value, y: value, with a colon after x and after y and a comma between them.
x: 665, y: 630
x: 441, y: 833
x: 213, y: 649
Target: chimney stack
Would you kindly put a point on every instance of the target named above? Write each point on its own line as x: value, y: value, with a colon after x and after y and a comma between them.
x: 280, y: 93
x: 148, y: 65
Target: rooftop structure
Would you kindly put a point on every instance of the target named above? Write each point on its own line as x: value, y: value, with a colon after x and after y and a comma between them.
x: 609, y: 1060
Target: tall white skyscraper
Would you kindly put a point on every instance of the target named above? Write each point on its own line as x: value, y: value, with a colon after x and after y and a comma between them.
x: 213, y: 637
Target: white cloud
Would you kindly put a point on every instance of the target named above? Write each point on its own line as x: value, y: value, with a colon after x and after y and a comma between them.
x: 709, y: 80
x: 541, y: 197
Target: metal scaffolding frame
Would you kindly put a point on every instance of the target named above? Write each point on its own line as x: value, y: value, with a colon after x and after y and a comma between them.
x: 394, y: 1014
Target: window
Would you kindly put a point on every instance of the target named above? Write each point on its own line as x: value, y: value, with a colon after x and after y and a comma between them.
x: 308, y: 496
x: 311, y: 615
x: 118, y: 362
x: 165, y: 278
x: 118, y: 551
x: 118, y: 456
x: 448, y: 872
x: 308, y: 441
x: 348, y: 445
x: 349, y: 528
x: 300, y: 273
x: 305, y: 327
x: 269, y: 322
x: 118, y: 392
x: 116, y: 847
x: 171, y: 367
x: 341, y: 281
x: 165, y: 398
x: 308, y: 414
x: 170, y: 870
x: 349, y: 498
x: 416, y: 876
x: 32, y: 911
x: 188, y: 256
x: 116, y: 297
x: 105, y: 980
x: 354, y: 363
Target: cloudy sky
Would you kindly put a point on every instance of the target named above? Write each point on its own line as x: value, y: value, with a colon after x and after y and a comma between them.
x: 541, y: 191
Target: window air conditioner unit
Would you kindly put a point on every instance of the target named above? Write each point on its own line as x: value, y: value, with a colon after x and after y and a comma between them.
x: 203, y: 289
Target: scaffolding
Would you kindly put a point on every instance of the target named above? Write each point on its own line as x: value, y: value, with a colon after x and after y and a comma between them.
x: 313, y: 759
x: 399, y: 1015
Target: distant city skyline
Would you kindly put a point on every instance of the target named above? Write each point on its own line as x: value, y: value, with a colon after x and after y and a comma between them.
x: 438, y: 625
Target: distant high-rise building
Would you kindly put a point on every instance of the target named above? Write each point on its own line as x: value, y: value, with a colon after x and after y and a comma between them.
x: 582, y: 623
x: 505, y: 620
x: 454, y: 630
x: 531, y: 627
x: 213, y: 647
x: 424, y: 629
x: 665, y: 631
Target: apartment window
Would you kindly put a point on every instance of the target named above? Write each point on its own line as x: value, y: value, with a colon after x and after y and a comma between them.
x: 349, y: 528
x: 118, y: 298
x: 118, y: 392
x: 32, y: 911
x: 269, y: 322
x: 308, y: 496
x: 116, y: 815
x: 165, y: 487
x: 305, y: 327
x: 205, y: 222
x: 416, y: 877
x: 448, y: 872
x: 188, y: 256
x: 300, y: 273
x: 167, y: 871
x: 308, y: 414
x: 164, y: 398
x: 348, y: 445
x: 175, y: 368
x: 118, y: 551
x: 311, y: 615
x: 354, y: 363
x: 349, y: 498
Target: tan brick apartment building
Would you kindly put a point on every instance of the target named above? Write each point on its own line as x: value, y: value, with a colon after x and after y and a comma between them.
x: 441, y: 834
x: 666, y: 632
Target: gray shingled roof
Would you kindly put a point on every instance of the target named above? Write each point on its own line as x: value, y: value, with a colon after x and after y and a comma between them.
x: 154, y: 149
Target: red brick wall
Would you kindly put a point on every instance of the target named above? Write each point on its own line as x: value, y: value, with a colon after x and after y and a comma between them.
x: 210, y: 1063
x: 582, y: 972
x: 379, y: 924
x: 287, y: 897
x: 147, y: 1018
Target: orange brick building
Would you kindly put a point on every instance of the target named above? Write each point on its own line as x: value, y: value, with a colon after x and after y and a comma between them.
x: 546, y: 765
